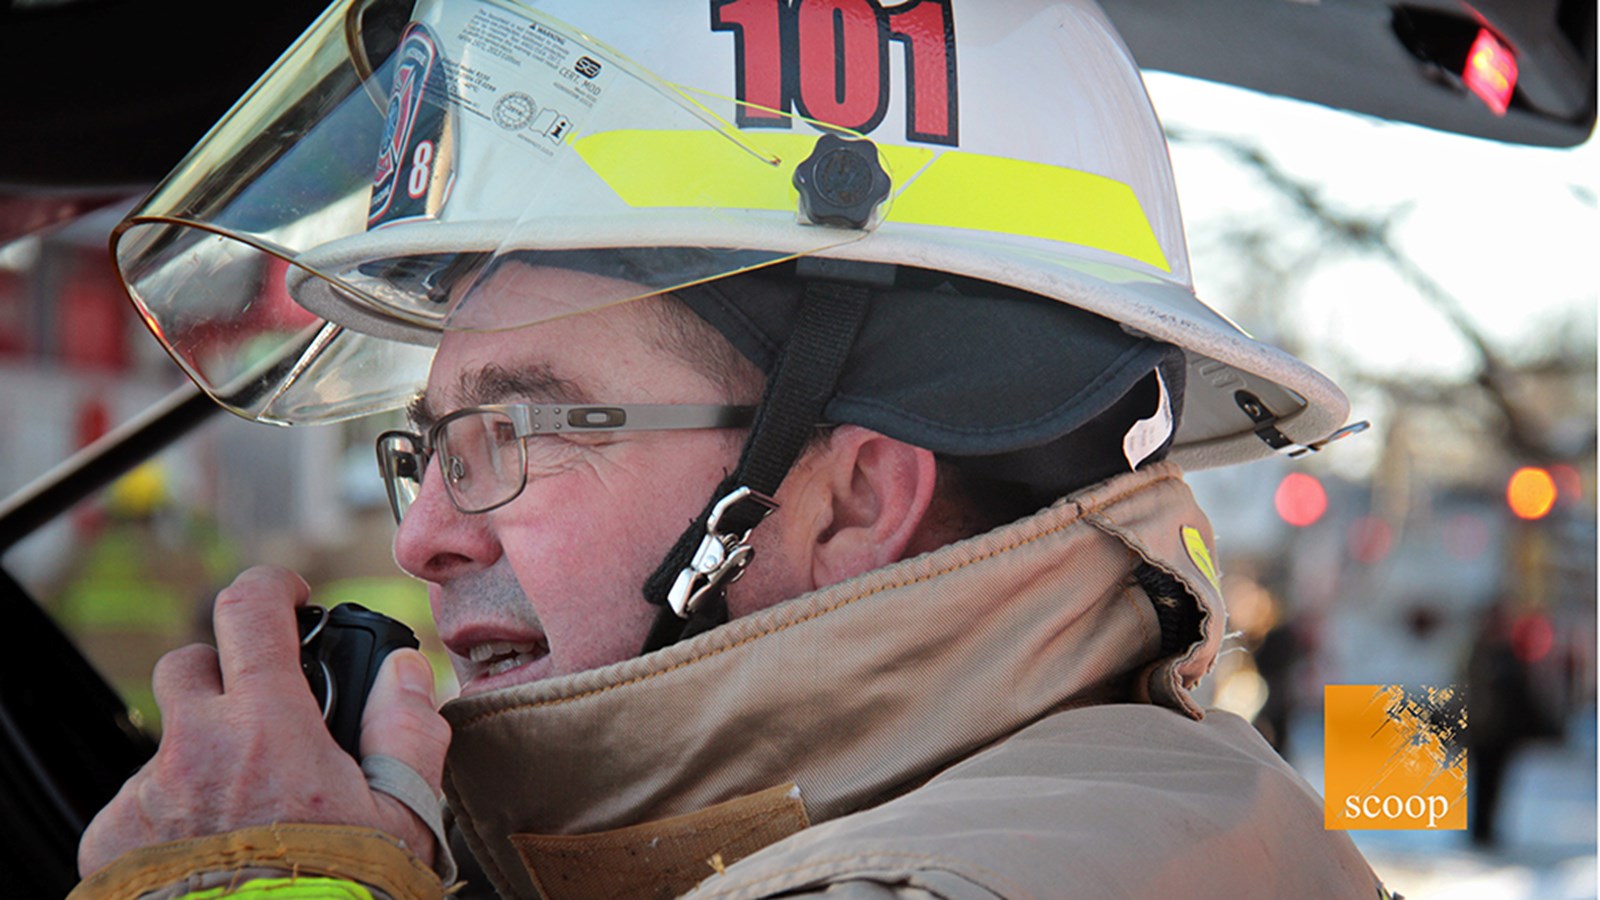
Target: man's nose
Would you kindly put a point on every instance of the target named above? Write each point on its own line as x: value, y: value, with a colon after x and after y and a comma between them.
x: 436, y: 541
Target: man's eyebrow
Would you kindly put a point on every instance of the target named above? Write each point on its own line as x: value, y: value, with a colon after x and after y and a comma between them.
x: 497, y: 384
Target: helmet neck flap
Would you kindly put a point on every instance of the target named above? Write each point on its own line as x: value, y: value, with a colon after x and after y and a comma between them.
x: 853, y: 343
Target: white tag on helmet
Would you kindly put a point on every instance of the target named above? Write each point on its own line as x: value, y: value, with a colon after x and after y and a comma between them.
x: 1147, y: 435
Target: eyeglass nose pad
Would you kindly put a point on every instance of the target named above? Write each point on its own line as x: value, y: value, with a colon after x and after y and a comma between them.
x: 457, y: 470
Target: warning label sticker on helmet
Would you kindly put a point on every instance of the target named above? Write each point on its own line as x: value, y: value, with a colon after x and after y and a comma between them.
x: 475, y: 61
x: 525, y: 76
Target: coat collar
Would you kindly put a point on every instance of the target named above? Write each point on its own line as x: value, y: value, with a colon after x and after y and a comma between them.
x: 854, y: 693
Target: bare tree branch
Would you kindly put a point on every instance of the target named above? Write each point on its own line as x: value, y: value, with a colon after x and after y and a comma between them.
x: 1494, y: 375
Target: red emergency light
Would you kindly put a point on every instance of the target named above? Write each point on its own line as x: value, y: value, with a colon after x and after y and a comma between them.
x: 1491, y: 71
x: 1300, y: 499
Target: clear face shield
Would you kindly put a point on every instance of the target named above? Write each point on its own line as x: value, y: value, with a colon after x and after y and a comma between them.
x: 303, y: 261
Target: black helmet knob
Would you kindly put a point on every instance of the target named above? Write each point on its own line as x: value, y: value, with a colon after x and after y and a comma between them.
x: 841, y: 182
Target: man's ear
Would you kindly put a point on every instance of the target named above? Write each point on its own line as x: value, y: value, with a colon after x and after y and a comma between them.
x: 871, y: 499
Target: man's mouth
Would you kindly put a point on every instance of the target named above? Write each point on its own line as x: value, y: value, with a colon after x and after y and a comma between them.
x: 498, y: 657
x: 491, y: 630
x: 488, y: 665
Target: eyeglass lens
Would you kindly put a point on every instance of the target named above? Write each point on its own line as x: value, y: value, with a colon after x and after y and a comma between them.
x: 483, y: 458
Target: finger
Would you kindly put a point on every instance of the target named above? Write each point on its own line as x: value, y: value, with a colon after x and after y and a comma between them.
x: 401, y: 719
x: 183, y: 677
x: 256, y: 633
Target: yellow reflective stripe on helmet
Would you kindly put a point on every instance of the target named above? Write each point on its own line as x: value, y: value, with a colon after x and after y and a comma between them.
x: 1029, y: 199
x: 286, y: 889
x: 705, y: 170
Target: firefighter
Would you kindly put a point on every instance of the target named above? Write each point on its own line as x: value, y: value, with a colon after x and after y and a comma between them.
x: 799, y: 396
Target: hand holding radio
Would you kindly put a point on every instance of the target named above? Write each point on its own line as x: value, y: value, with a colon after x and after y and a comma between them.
x: 243, y: 739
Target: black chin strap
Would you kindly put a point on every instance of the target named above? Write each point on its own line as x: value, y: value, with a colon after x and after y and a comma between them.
x: 690, y: 585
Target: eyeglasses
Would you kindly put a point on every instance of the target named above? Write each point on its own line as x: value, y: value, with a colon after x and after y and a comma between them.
x: 484, y: 449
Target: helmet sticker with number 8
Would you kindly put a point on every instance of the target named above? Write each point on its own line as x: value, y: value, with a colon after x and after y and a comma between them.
x: 421, y: 167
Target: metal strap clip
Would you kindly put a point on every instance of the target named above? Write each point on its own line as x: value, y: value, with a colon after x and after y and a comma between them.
x: 721, y: 558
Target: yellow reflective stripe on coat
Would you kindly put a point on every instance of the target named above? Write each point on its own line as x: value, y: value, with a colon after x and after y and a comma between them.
x: 954, y: 189
x: 286, y: 889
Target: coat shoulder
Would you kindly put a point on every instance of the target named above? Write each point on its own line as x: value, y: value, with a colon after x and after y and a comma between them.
x: 1120, y: 800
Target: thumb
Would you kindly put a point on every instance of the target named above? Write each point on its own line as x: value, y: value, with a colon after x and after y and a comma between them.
x: 401, y: 720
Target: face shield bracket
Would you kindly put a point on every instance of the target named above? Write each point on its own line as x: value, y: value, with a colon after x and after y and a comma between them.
x: 1266, y: 428
x: 841, y: 183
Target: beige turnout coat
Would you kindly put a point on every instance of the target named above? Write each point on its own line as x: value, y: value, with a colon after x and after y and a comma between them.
x: 993, y: 719
x: 1005, y: 717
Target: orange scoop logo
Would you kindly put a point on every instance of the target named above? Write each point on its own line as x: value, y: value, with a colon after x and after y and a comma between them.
x: 1394, y: 757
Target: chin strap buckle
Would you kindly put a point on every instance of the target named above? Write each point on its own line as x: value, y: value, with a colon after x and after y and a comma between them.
x: 722, y: 556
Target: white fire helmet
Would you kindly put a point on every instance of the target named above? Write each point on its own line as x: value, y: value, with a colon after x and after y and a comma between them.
x: 302, y: 262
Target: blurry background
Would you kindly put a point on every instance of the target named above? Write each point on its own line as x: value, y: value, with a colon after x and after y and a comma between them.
x: 1449, y: 285
x: 1446, y: 282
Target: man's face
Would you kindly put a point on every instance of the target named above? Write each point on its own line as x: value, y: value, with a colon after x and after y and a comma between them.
x: 549, y: 584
